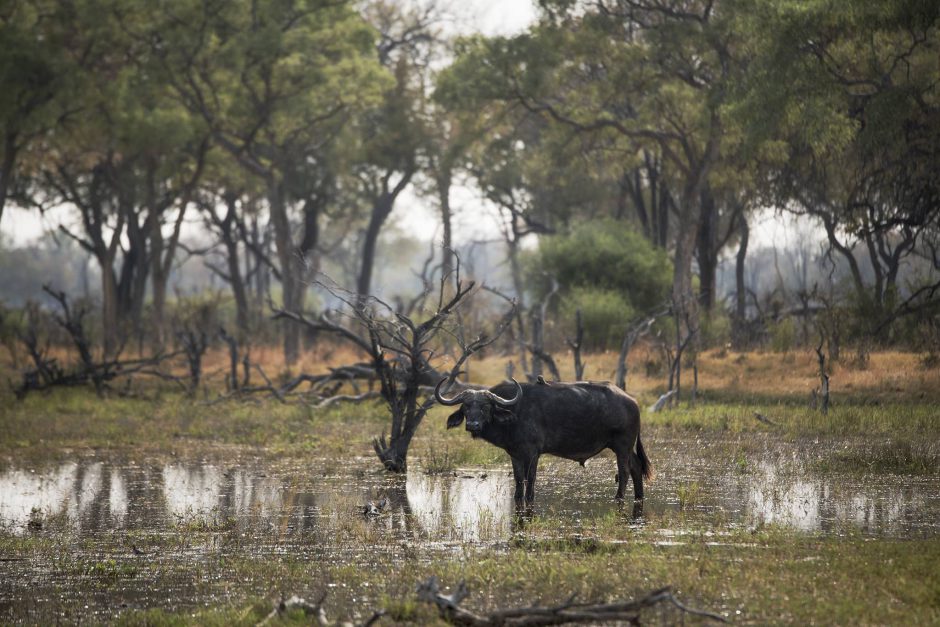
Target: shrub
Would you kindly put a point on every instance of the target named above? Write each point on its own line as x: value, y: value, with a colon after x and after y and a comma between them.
x: 604, y: 313
x: 782, y: 335
x: 716, y: 329
x: 606, y: 269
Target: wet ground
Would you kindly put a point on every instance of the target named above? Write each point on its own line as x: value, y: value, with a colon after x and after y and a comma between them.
x: 165, y: 531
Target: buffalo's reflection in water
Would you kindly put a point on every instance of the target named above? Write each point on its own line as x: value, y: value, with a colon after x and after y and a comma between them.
x: 94, y: 495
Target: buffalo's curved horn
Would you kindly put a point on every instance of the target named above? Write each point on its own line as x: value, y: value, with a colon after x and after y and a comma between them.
x: 503, y: 401
x: 446, y: 401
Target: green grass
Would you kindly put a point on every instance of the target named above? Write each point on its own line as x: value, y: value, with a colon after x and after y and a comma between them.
x: 877, y: 421
x: 903, y: 457
x: 75, y: 418
x: 769, y: 576
x: 766, y: 575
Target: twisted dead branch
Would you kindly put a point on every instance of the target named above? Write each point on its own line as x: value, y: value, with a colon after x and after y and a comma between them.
x: 450, y: 610
x: 400, y: 353
x: 568, y: 612
x: 47, y: 373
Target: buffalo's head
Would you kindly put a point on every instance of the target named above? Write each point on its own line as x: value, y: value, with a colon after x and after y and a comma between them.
x: 478, y: 407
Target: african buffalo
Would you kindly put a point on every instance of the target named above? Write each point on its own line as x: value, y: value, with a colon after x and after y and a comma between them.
x: 571, y: 420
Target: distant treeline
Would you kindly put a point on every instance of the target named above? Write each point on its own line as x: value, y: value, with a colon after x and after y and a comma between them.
x: 626, y: 149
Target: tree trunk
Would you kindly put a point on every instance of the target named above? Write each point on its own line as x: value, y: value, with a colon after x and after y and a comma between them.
x: 394, y: 455
x: 238, y: 285
x: 683, y: 298
x: 6, y: 169
x: 158, y: 331
x: 705, y: 247
x: 739, y: 337
x: 517, y: 285
x: 162, y: 253
x: 110, y: 335
x: 381, y: 209
x: 132, y: 281
x: 443, y: 191
x: 231, y: 231
x: 289, y: 269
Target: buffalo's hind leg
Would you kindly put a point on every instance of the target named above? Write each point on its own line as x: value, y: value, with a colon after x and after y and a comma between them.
x: 636, y: 473
x: 627, y: 461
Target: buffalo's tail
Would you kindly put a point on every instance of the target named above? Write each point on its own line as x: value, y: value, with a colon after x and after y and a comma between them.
x: 645, y: 467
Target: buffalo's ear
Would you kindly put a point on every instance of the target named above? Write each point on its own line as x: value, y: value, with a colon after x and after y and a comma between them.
x: 503, y: 414
x: 455, y: 419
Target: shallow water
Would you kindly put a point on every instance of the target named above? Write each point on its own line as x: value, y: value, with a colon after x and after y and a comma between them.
x: 151, y: 514
x: 95, y: 494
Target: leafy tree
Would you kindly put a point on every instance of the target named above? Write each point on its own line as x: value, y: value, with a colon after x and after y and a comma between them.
x: 36, y: 82
x: 126, y: 161
x: 276, y: 83
x: 603, y: 266
x: 846, y: 105
x: 634, y: 76
x: 393, y: 135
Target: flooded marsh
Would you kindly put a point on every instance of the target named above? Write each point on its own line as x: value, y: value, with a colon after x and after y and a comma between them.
x: 101, y: 535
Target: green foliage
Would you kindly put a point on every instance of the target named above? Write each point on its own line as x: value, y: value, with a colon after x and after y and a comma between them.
x: 716, y: 329
x: 607, y: 254
x: 782, y: 335
x: 606, y: 269
x: 604, y: 314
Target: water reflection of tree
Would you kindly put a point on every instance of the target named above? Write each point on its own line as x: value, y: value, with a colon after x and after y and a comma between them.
x: 401, y: 516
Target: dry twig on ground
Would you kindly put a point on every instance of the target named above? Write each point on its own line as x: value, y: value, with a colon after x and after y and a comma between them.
x: 567, y: 612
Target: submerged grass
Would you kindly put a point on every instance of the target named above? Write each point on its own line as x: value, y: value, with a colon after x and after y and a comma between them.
x: 751, y: 577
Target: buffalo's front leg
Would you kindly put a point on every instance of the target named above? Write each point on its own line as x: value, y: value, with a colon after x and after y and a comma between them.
x: 518, y: 473
x: 532, y: 467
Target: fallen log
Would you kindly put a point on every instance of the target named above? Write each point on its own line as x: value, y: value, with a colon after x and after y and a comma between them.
x: 568, y: 612
x: 661, y: 402
x: 450, y: 611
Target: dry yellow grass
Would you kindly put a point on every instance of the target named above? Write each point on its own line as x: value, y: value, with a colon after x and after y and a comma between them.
x: 889, y: 376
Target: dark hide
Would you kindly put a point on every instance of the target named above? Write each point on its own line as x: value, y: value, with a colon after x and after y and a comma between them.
x: 570, y: 420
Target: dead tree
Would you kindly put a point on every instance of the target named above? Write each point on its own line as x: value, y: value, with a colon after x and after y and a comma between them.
x: 45, y: 369
x: 448, y: 606
x: 823, y: 378
x: 400, y: 353
x: 47, y: 373
x: 72, y: 320
x: 630, y: 337
x: 194, y: 343
x: 576, y: 344
x: 537, y: 347
x: 568, y: 612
